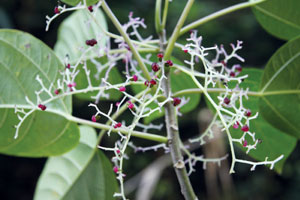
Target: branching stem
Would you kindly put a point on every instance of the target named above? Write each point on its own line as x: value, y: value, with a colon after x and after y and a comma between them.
x: 220, y: 13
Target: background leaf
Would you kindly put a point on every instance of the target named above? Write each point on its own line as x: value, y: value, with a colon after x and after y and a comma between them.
x: 279, y: 17
x: 281, y: 88
x: 22, y: 58
x: 83, y: 173
x: 75, y: 30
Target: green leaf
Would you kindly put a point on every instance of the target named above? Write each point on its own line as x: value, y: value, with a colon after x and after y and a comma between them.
x: 281, y: 89
x: 75, y: 30
x: 22, y: 58
x: 279, y: 17
x: 274, y: 142
x: 83, y: 173
x: 114, y: 77
x: 179, y: 81
x: 75, y: 2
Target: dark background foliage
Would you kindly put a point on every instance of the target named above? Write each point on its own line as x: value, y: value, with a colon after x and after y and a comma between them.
x: 18, y: 176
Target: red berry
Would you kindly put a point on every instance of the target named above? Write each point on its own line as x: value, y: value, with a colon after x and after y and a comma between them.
x: 91, y: 42
x: 135, y: 78
x: 155, y: 67
x: 94, y: 119
x: 152, y: 82
x: 56, y: 10
x: 116, y: 169
x: 122, y: 89
x: 68, y: 66
x: 42, y: 107
x: 90, y: 8
x: 248, y: 113
x: 245, y: 128
x: 232, y: 74
x: 226, y: 100
x: 176, y: 101
x: 169, y: 63
x: 245, y: 143
x: 185, y: 51
x: 118, y: 151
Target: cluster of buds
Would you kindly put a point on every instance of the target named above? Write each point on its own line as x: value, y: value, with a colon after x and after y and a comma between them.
x: 229, y: 106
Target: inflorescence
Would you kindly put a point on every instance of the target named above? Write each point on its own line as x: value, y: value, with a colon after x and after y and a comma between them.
x: 228, y: 105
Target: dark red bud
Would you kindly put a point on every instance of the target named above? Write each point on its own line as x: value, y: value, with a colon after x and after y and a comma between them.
x: 176, y: 101
x: 152, y: 82
x: 116, y: 169
x: 90, y: 8
x: 130, y: 105
x: 57, y: 91
x: 169, y: 63
x: 56, y: 10
x: 232, y: 74
x: 135, y: 78
x: 91, y: 42
x: 155, y: 67
x: 239, y: 68
x: 160, y: 56
x: 42, y: 107
x: 223, y: 63
x: 245, y: 128
x: 118, y: 125
x: 147, y: 83
x: 248, y: 113
x: 226, y: 100
x: 122, y: 89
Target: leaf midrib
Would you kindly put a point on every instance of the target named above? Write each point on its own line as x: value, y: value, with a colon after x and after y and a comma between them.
x: 276, y: 17
x: 279, y: 115
x: 286, y: 64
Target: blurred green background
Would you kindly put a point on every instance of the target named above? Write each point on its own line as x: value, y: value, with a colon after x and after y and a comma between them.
x: 18, y: 176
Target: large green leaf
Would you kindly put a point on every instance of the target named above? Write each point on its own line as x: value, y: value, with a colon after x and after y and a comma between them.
x: 75, y: 2
x: 83, y: 173
x: 274, y: 142
x: 279, y: 17
x: 22, y: 58
x: 114, y: 77
x: 75, y: 30
x: 281, y: 89
x: 179, y: 81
